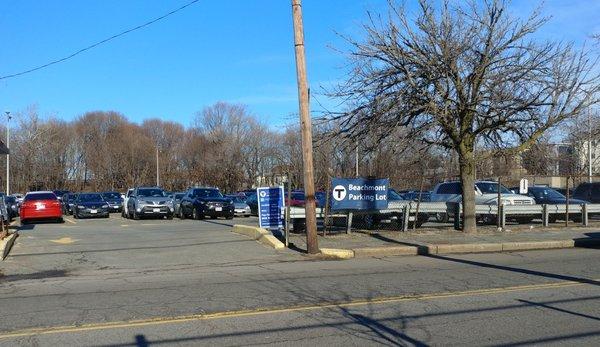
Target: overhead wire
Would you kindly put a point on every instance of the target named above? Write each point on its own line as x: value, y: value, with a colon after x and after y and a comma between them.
x: 150, y: 22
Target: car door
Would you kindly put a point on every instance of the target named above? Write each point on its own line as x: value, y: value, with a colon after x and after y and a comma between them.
x: 594, y: 194
x: 186, y: 203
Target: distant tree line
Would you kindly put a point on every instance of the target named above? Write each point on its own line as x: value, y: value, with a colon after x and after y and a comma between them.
x: 226, y: 147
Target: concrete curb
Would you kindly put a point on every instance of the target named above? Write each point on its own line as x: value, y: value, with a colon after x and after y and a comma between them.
x: 472, y: 247
x: 337, y: 253
x: 6, y: 245
x: 261, y: 235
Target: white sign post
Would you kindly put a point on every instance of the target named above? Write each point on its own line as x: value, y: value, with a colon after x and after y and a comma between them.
x: 523, y: 186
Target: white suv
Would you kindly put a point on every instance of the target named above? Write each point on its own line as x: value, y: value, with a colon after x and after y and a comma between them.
x: 486, y: 193
x: 125, y: 211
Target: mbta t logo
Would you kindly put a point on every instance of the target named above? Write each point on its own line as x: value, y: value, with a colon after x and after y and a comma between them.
x: 339, y: 192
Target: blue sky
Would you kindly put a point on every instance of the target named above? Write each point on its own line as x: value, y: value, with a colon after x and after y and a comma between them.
x: 234, y: 51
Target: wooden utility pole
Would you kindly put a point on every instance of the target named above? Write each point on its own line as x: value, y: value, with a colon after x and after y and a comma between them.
x: 306, y: 127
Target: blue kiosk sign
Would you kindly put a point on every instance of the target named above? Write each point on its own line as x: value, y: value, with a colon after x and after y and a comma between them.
x: 359, y: 194
x: 270, y: 207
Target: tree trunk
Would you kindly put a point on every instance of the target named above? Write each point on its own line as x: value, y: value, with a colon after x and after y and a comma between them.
x: 466, y: 161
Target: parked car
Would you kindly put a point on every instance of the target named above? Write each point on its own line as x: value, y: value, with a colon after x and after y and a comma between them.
x: 90, y: 205
x: 486, y: 193
x: 18, y: 197
x: 546, y: 195
x: 11, y: 206
x: 68, y: 201
x: 149, y: 202
x: 125, y: 212
x: 241, y: 209
x: 177, y: 203
x: 60, y: 193
x: 200, y: 202
x: 413, y: 195
x: 374, y: 221
x: 588, y: 191
x: 40, y: 205
x: 114, y: 200
x: 4, y: 214
x: 252, y: 202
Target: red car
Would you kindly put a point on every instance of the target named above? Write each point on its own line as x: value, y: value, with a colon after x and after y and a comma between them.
x: 40, y: 205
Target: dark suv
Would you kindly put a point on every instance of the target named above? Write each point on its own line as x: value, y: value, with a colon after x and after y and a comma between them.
x: 588, y: 192
x: 200, y: 202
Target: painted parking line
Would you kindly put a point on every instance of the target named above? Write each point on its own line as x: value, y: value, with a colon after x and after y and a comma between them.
x: 281, y: 309
x: 70, y: 220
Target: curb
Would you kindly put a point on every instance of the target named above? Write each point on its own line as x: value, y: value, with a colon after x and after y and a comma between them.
x: 473, y: 247
x: 6, y: 245
x: 261, y: 235
x: 337, y: 253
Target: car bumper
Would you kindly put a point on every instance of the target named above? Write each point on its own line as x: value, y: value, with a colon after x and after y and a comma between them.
x: 115, y: 208
x: 89, y: 213
x: 155, y: 211
x: 223, y: 213
x: 241, y: 213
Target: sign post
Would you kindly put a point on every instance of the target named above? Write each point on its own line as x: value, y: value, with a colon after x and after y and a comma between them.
x: 523, y: 186
x: 270, y: 207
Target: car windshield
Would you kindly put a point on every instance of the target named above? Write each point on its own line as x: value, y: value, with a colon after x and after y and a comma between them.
x: 491, y: 188
x: 207, y: 193
x: 151, y: 193
x: 111, y: 195
x: 547, y: 193
x: 40, y: 196
x: 91, y: 197
x: 236, y: 199
x: 178, y: 196
x: 10, y: 199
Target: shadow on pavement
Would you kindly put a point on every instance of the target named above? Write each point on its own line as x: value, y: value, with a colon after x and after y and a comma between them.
x: 33, y: 276
x: 129, y: 248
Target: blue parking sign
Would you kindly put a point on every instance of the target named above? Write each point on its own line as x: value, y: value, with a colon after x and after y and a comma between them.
x: 270, y: 207
x: 359, y: 194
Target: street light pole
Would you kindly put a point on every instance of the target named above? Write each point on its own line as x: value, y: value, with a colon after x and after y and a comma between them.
x: 8, y: 117
x: 589, y: 146
x: 157, y: 177
x: 306, y: 127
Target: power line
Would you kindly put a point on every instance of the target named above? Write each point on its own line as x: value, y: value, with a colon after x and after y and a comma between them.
x: 100, y: 42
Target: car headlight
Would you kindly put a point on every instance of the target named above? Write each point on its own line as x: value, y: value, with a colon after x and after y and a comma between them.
x: 104, y: 206
x: 79, y: 206
x: 148, y: 202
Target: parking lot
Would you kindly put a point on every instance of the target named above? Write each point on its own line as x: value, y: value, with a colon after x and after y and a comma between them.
x: 118, y: 245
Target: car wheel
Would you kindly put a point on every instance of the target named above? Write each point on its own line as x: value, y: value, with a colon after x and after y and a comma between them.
x: 135, y: 215
x: 489, y: 219
x: 24, y: 222
x: 75, y: 215
x: 181, y: 214
x: 213, y: 217
x: 229, y: 217
x: 170, y: 217
x: 370, y: 222
x: 524, y: 220
x: 195, y: 215
x: 441, y: 217
x: 60, y: 220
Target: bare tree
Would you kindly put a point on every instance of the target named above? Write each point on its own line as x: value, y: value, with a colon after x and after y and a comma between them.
x: 461, y: 76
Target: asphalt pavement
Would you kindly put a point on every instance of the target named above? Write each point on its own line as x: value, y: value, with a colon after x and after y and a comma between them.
x: 159, y: 282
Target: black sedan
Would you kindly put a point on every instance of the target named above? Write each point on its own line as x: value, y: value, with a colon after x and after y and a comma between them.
x: 114, y: 201
x: 549, y: 196
x: 90, y: 205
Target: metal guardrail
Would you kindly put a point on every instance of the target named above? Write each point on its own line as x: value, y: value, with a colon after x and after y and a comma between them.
x: 546, y: 212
